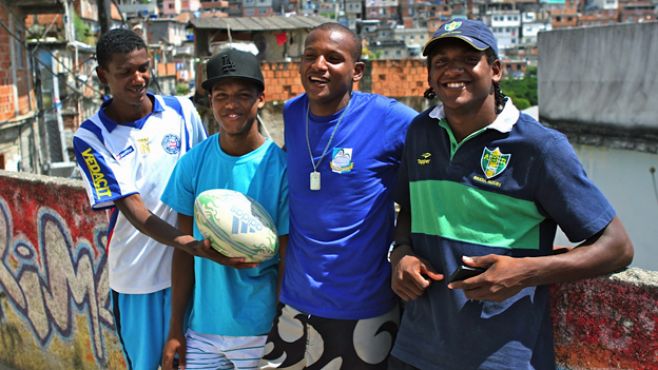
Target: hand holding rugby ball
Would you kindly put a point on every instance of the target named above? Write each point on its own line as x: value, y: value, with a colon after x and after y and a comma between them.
x: 236, y: 225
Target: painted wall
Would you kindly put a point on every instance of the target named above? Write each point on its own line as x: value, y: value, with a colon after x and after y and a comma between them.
x: 54, y: 302
x: 55, y: 309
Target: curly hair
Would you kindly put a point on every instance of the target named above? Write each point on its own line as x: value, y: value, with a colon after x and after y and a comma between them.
x: 117, y: 41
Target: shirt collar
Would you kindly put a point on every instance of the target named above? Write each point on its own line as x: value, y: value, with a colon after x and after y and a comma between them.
x: 504, y: 122
x: 110, y: 124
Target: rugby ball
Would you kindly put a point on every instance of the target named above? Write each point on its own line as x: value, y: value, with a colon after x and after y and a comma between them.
x: 236, y: 225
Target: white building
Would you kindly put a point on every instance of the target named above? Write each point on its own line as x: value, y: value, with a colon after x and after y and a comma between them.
x: 506, y: 26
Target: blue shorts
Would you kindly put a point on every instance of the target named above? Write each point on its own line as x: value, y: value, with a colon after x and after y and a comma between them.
x: 142, y: 323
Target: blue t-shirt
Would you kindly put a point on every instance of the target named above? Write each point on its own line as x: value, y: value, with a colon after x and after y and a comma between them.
x: 339, y: 235
x: 230, y: 301
x: 502, y: 190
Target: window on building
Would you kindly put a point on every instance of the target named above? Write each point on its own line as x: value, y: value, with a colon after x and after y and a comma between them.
x: 2, y: 161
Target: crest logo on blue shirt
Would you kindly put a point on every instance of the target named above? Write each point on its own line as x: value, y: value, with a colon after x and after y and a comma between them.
x: 171, y: 144
x: 341, y: 160
x: 494, y: 162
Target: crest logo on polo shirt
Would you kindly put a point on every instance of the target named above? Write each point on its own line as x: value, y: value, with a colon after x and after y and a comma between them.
x: 424, y: 159
x: 171, y: 144
x: 494, y: 162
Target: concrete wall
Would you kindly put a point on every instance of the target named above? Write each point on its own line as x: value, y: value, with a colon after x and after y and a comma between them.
x: 600, y: 76
x: 598, y: 85
x: 55, y: 311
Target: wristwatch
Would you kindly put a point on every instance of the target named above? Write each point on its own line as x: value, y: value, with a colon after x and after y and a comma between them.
x: 394, y: 245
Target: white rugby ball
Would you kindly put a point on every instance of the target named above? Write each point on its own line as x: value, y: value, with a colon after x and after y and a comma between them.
x: 236, y: 225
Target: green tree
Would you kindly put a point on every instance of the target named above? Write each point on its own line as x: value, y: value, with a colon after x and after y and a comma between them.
x: 82, y: 32
x: 182, y: 88
x: 522, y: 91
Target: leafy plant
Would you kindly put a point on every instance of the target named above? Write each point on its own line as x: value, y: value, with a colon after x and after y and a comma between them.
x: 522, y: 91
x: 82, y: 31
x: 182, y: 89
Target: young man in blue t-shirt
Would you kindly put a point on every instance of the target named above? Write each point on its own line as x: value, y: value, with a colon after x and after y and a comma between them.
x: 344, y: 147
x: 232, y: 304
x: 485, y: 186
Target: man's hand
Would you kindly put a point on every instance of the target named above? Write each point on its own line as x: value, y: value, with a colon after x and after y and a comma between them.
x: 202, y: 248
x: 503, y: 278
x: 411, y: 275
x: 175, y: 345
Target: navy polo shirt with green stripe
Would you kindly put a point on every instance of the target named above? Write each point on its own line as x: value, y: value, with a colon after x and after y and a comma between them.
x: 501, y: 190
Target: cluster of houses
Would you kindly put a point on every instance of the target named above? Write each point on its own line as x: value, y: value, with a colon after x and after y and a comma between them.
x: 48, y: 85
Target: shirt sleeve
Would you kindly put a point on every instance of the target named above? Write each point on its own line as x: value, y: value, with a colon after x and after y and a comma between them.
x: 567, y: 195
x: 179, y: 194
x: 283, y: 216
x: 105, y: 179
x: 197, y: 129
x: 401, y: 194
x: 398, y: 118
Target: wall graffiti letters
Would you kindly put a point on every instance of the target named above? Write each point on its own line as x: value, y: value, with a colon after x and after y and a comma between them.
x: 60, y: 277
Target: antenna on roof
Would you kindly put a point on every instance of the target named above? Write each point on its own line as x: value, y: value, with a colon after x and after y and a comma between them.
x: 228, y: 28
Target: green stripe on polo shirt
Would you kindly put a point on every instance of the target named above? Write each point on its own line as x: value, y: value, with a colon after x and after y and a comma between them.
x: 459, y: 212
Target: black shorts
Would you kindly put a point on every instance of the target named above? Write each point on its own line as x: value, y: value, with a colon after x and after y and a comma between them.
x: 302, y: 341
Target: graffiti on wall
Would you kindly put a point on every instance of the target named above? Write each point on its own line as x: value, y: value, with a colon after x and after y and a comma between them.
x: 59, y: 278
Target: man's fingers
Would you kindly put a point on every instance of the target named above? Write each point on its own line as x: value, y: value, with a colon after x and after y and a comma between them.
x: 181, y: 356
x: 426, y: 270
x: 167, y: 359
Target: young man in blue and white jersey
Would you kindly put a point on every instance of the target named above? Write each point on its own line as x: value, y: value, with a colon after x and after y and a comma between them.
x: 344, y: 147
x: 126, y: 153
x: 232, y: 308
x: 485, y: 186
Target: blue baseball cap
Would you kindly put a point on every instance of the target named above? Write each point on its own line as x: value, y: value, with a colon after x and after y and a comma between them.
x: 474, y: 32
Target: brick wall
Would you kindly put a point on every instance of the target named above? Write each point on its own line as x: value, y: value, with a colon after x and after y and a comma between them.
x: 394, y: 78
x: 399, y: 78
x: 166, y: 69
x: 7, y: 98
x: 282, y: 81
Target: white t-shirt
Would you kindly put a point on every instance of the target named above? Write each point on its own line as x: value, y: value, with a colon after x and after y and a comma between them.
x: 120, y: 160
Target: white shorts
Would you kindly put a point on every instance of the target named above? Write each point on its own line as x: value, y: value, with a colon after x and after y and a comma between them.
x: 208, y: 351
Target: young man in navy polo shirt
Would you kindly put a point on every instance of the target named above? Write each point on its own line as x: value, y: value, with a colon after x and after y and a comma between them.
x: 485, y: 186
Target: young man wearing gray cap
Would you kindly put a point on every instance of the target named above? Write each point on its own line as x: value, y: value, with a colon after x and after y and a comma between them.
x: 483, y: 188
x: 233, y: 305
